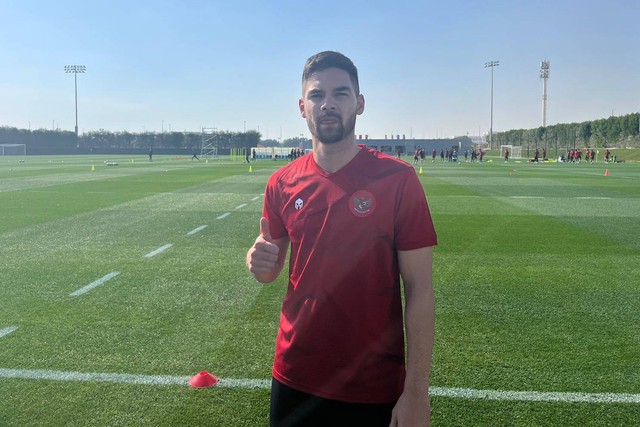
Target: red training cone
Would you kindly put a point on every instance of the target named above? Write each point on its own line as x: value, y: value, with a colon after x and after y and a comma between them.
x: 203, y: 380
x: 606, y: 172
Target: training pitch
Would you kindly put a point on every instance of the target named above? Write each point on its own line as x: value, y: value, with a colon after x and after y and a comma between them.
x: 118, y: 282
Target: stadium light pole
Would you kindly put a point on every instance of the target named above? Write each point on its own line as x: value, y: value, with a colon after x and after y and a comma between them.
x: 544, y: 75
x: 75, y: 69
x: 491, y: 64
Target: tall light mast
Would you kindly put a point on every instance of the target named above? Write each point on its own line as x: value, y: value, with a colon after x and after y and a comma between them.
x: 544, y: 75
x: 491, y: 64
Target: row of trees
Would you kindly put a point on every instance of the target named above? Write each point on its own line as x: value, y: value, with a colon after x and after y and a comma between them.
x: 43, y: 141
x: 616, y: 131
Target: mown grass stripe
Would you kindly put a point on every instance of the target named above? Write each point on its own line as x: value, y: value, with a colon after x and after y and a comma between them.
x: 94, y: 284
x: 6, y: 331
x: 460, y: 393
x: 196, y: 230
x: 159, y: 250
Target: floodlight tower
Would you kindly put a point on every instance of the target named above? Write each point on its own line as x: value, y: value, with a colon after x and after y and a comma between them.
x: 491, y: 64
x: 75, y: 69
x: 544, y: 75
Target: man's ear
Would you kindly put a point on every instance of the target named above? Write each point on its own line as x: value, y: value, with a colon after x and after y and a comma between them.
x: 360, y: 106
x: 301, y: 106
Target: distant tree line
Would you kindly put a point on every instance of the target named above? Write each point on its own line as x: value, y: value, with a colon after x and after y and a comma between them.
x: 615, y: 131
x: 44, y: 141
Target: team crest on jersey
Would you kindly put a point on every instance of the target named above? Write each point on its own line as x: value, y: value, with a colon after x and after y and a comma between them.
x: 298, y: 204
x: 362, y: 203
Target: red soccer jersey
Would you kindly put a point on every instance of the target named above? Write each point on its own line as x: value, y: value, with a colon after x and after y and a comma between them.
x: 341, y: 327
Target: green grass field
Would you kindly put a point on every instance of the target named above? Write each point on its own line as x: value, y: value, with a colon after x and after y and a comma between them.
x: 536, y: 276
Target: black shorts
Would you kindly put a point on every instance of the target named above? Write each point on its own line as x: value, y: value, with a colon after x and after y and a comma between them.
x: 290, y: 407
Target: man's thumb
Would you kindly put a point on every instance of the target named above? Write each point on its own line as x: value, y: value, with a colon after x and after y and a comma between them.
x: 264, y: 229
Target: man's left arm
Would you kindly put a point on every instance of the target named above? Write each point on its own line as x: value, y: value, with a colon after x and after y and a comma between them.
x: 413, y: 407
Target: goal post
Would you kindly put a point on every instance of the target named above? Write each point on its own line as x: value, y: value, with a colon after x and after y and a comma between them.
x: 13, y: 150
x: 515, y: 152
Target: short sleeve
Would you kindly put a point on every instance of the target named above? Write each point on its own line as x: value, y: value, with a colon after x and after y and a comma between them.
x: 414, y: 227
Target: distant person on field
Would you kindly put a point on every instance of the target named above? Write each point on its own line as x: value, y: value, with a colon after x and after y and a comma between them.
x: 195, y: 155
x: 151, y: 154
x: 506, y: 155
x: 356, y: 221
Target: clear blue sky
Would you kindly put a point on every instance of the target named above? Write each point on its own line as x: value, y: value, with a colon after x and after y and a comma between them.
x: 236, y: 65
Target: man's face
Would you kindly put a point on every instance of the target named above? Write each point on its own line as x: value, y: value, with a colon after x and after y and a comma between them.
x: 330, y: 105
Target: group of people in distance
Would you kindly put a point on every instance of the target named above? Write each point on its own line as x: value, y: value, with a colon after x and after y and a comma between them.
x: 575, y: 155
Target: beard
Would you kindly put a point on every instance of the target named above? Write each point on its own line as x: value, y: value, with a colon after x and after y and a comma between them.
x: 333, y: 134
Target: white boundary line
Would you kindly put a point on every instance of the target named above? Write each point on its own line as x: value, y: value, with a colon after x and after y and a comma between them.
x: 527, y: 197
x: 196, y: 230
x: 535, y: 396
x: 459, y: 393
x: 241, y: 206
x: 224, y: 215
x: 94, y: 284
x: 159, y: 250
x: 6, y: 331
x: 255, y: 198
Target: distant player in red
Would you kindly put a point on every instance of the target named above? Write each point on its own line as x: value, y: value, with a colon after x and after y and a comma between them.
x: 356, y: 220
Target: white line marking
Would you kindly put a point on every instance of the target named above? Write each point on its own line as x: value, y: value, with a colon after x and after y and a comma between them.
x: 241, y: 206
x: 6, y: 331
x: 255, y: 198
x: 37, y: 374
x: 593, y: 198
x: 224, y: 215
x: 159, y: 250
x: 460, y: 393
x: 535, y: 396
x: 194, y: 231
x: 94, y: 284
x: 527, y: 197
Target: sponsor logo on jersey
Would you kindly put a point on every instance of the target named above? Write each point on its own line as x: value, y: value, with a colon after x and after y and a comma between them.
x: 362, y: 203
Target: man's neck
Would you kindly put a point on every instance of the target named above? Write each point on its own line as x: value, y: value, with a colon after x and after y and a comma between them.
x: 333, y: 157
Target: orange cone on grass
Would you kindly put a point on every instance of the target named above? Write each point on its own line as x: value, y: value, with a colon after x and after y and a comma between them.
x: 203, y: 380
x: 606, y: 172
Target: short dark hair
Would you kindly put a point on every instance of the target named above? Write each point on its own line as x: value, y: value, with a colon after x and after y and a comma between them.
x: 330, y: 59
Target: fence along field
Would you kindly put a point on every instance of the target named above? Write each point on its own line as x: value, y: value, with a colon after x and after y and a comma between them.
x: 535, y: 276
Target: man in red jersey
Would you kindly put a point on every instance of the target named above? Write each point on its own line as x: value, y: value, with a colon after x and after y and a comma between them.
x: 356, y: 221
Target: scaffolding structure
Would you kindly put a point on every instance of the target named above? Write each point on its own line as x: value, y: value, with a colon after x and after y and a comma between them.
x: 209, y: 146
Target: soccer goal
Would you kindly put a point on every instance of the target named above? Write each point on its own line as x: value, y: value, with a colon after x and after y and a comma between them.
x: 13, y: 150
x: 514, y: 152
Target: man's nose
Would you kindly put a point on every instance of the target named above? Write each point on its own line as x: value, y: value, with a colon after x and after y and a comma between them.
x: 328, y: 104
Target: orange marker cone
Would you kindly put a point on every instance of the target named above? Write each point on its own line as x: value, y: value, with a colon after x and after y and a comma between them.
x: 203, y: 380
x: 606, y: 172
